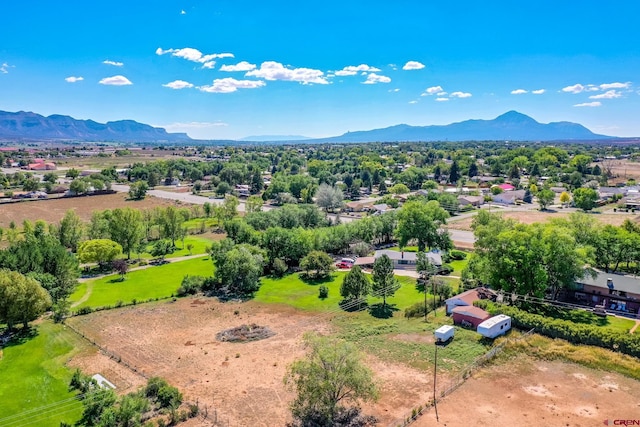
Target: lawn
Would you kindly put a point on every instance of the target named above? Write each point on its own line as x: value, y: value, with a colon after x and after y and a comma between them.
x: 200, y: 245
x: 141, y: 285
x: 34, y: 385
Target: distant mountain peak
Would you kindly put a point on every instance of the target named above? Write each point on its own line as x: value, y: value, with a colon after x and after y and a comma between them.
x: 32, y: 126
x: 514, y: 117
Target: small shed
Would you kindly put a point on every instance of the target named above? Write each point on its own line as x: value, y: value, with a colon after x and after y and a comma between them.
x: 465, y: 315
x: 495, y: 326
x: 444, y: 333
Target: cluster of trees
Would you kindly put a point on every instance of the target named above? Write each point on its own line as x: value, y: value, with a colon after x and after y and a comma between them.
x: 526, y: 259
x: 104, y: 408
x: 533, y: 259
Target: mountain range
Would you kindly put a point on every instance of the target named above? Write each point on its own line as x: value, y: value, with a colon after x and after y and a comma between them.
x: 34, y: 127
x: 510, y: 126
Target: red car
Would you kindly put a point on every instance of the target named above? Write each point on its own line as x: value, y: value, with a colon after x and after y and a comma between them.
x: 343, y: 265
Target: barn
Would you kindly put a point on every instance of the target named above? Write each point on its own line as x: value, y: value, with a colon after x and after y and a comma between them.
x: 464, y: 315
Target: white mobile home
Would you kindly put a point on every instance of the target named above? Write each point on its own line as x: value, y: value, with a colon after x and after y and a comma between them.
x: 495, y: 326
x: 444, y: 333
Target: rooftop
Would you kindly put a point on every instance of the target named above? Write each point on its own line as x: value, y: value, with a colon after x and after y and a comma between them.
x: 471, y: 311
x: 620, y: 282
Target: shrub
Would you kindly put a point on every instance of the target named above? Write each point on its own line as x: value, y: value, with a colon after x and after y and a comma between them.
x: 417, y: 309
x: 190, y: 285
x: 84, y: 310
x: 323, y: 292
x: 446, y: 269
x: 279, y: 267
x: 575, y: 333
x: 457, y: 255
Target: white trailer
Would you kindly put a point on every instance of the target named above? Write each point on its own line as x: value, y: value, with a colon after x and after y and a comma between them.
x: 495, y: 326
x: 444, y: 333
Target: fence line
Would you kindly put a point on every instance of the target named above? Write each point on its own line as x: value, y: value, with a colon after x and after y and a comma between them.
x: 457, y: 381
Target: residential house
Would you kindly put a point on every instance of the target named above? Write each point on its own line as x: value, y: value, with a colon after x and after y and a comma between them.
x: 476, y: 201
x: 407, y: 260
x: 509, y: 197
x: 467, y: 298
x: 616, y: 292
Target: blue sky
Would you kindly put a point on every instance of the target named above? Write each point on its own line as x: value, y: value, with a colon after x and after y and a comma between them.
x: 227, y: 69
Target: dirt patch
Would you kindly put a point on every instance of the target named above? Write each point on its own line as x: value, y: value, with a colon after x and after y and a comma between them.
x: 421, y: 338
x: 527, y: 392
x: 54, y: 210
x: 243, y: 383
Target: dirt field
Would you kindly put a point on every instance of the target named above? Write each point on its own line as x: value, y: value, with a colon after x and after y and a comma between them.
x: 534, y: 393
x: 529, y: 217
x: 243, y: 381
x: 54, y: 210
x: 622, y: 170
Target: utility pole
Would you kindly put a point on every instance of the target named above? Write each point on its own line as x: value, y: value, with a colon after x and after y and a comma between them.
x: 435, y: 372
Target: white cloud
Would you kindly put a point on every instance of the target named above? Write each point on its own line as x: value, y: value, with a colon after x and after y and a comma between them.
x: 183, y: 12
x: 519, y: 92
x: 73, y: 79
x: 114, y: 63
x: 394, y: 90
x: 194, y: 55
x: 461, y: 95
x: 610, y: 94
x: 442, y: 99
x: 116, y: 81
x: 589, y: 104
x: 433, y: 90
x: 228, y: 85
x: 441, y: 93
x: 178, y: 84
x: 271, y: 70
x: 4, y: 68
x: 616, y: 85
x: 591, y: 88
x: 374, y: 78
x: 413, y: 102
x: 240, y: 66
x: 352, y: 70
x: 413, y: 65
x: 538, y: 92
x: 577, y: 88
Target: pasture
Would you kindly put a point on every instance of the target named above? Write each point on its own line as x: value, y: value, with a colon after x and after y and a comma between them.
x: 35, y: 380
x: 150, y: 283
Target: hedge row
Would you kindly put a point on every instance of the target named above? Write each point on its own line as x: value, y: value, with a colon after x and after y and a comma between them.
x: 576, y: 333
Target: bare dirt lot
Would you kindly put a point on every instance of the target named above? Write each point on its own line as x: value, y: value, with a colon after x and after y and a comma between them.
x: 529, y: 217
x: 54, y: 210
x: 622, y: 170
x: 532, y: 393
x: 242, y: 381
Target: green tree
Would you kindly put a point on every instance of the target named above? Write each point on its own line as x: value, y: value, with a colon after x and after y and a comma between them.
x: 545, y: 198
x: 161, y: 248
x: 399, y: 189
x: 585, y: 198
x: 79, y: 186
x: 254, y: 204
x: 421, y: 221
x: 230, y: 207
x: 70, y: 230
x: 384, y: 282
x: 355, y: 285
x: 125, y: 227
x: 102, y: 251
x: 331, y: 376
x: 207, y: 209
x: 171, y: 221
x: 454, y: 172
x: 72, y: 173
x: 237, y: 267
x: 328, y: 197
x: 138, y: 190
x: 317, y: 265
x: 22, y: 299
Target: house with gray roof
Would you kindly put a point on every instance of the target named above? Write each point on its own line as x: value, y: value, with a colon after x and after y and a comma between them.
x: 616, y: 292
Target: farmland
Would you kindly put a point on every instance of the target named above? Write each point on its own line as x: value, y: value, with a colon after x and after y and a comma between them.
x: 54, y: 210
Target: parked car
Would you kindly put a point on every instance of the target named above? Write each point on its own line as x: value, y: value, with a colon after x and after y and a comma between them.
x: 344, y: 265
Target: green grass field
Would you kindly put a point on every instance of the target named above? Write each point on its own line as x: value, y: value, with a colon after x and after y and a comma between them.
x: 153, y: 282
x: 200, y: 245
x: 34, y: 381
x: 382, y: 337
